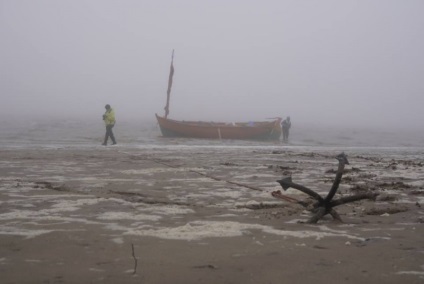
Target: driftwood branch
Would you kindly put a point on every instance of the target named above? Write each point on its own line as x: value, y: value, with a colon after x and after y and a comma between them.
x: 135, y: 259
x: 324, y: 206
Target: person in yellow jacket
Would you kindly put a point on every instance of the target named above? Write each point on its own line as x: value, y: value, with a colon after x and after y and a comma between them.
x: 109, y: 119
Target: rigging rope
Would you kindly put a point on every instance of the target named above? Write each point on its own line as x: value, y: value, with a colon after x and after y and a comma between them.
x: 287, y: 198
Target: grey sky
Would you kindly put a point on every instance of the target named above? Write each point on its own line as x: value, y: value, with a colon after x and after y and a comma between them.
x: 329, y: 62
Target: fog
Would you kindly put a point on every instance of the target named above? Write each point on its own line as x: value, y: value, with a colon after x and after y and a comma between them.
x: 355, y: 63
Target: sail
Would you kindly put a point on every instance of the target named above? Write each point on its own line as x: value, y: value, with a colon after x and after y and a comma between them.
x: 168, y: 92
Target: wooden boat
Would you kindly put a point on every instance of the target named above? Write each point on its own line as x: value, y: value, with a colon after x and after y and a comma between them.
x: 253, y: 130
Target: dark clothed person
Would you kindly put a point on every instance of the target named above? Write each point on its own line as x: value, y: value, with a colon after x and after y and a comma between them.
x: 286, y: 125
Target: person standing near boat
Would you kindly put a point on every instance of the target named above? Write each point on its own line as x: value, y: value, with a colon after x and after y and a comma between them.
x: 286, y: 125
x: 109, y: 119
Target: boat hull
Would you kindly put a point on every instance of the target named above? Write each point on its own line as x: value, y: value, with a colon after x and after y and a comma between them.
x: 268, y: 130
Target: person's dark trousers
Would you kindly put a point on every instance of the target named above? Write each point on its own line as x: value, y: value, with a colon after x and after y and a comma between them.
x: 285, y: 135
x: 109, y: 133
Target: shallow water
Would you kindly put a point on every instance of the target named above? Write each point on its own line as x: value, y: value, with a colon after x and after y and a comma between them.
x: 146, y: 134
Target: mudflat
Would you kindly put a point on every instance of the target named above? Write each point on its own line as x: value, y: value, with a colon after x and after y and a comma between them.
x: 206, y: 215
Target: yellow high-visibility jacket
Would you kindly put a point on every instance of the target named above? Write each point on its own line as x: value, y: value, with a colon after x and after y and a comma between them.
x: 109, y: 117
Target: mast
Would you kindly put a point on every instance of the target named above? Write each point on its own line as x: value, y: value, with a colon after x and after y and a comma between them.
x: 168, y: 92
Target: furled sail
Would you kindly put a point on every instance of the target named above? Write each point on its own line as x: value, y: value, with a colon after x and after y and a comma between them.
x: 168, y: 92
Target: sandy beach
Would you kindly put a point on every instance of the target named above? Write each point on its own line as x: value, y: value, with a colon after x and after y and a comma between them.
x: 176, y: 215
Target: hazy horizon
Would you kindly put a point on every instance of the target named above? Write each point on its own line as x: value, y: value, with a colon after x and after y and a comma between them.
x: 327, y: 63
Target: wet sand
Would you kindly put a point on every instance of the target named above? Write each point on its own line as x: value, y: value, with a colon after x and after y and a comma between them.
x: 168, y: 215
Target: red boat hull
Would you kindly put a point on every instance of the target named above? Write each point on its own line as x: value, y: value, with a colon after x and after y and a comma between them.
x: 264, y: 130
